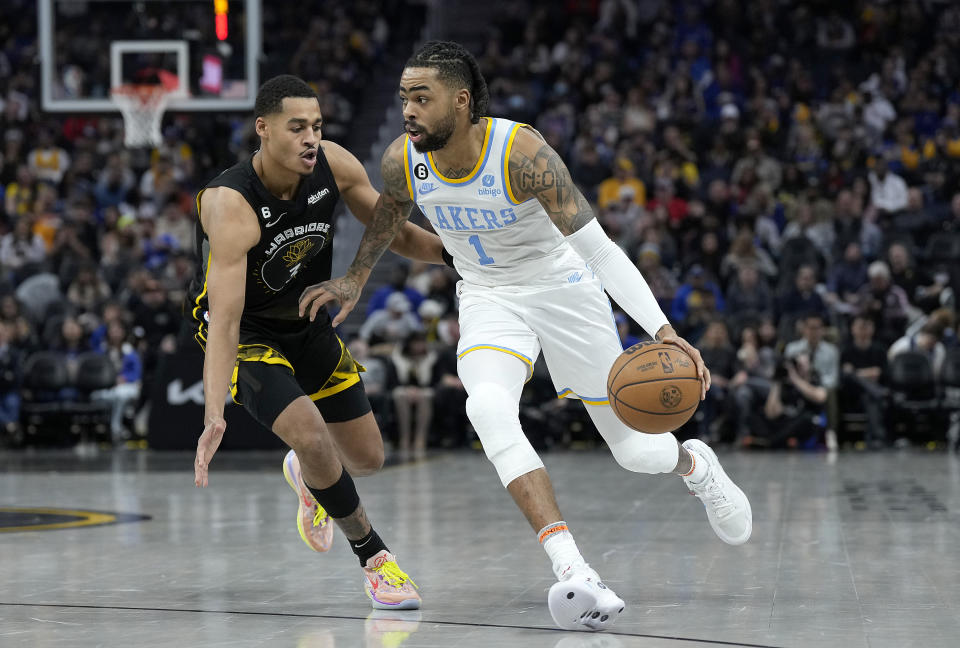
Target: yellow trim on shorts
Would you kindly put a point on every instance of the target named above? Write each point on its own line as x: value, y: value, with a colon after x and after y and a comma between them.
x: 347, y: 373
x: 244, y: 354
x: 491, y: 347
x: 506, y: 162
x: 480, y: 160
x: 566, y: 393
x: 406, y: 165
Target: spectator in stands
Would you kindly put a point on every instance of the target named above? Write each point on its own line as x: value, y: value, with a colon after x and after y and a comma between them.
x: 888, y: 191
x: 793, y: 412
x: 48, y: 162
x: 624, y: 175
x: 764, y: 168
x: 21, y: 251
x: 697, y: 301
x: 928, y: 341
x: 863, y: 364
x: 845, y: 280
x: 450, y: 413
x: 743, y: 252
x: 824, y: 358
x: 87, y: 290
x: 718, y: 354
x: 885, y: 303
x: 11, y: 373
x: 397, y: 283
x: 662, y: 282
x: 801, y: 299
x: 375, y: 381
x: 413, y: 362
x: 390, y: 324
x: 749, y: 294
x: 129, y: 369
x: 922, y: 289
x: 115, y: 182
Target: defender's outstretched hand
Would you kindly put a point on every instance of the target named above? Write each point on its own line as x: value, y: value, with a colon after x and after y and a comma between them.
x: 345, y: 290
x: 206, y: 447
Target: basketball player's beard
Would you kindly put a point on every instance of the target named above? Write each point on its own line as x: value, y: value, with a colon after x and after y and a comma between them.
x: 436, y: 140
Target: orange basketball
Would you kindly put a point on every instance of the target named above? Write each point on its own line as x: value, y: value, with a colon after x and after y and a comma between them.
x: 654, y: 387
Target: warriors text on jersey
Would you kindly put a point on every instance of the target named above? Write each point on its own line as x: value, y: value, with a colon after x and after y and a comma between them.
x: 295, y: 249
x: 495, y: 239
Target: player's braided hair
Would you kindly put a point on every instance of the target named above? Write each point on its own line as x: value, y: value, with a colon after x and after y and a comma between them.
x: 456, y: 67
x: 271, y: 94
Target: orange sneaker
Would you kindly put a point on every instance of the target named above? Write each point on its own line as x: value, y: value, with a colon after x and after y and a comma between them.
x: 388, y: 586
x: 312, y: 520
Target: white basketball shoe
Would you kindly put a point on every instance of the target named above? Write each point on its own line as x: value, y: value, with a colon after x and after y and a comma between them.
x: 728, y: 508
x: 580, y: 601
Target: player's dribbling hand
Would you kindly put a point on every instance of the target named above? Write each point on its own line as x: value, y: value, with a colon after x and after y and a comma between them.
x: 670, y: 337
x: 345, y: 290
x: 206, y: 447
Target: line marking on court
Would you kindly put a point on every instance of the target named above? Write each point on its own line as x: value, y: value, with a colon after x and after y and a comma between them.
x: 15, y: 519
x: 300, y: 615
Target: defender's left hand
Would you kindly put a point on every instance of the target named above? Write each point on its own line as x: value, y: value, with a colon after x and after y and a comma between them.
x: 671, y: 337
x: 345, y: 290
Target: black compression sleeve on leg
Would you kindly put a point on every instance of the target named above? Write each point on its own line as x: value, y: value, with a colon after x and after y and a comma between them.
x: 339, y: 500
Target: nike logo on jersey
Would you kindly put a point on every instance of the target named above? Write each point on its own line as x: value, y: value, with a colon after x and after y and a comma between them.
x: 315, y: 198
x: 276, y: 221
x: 427, y: 187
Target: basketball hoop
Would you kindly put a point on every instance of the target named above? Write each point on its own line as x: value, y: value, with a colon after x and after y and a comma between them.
x: 142, y: 106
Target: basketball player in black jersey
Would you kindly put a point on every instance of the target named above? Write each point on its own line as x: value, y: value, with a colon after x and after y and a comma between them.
x: 264, y: 235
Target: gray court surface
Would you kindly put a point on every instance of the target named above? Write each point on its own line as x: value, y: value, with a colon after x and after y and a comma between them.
x: 848, y: 550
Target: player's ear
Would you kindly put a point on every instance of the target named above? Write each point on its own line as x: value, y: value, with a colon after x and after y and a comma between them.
x: 261, y: 126
x: 462, y: 99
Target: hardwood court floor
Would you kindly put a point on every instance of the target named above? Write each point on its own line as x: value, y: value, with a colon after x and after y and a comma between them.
x: 854, y: 550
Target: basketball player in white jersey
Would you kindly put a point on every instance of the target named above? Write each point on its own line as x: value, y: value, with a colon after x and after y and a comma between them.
x: 535, y: 264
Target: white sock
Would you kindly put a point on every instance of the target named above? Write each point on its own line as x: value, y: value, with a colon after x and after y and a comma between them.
x: 558, y: 542
x: 699, y: 471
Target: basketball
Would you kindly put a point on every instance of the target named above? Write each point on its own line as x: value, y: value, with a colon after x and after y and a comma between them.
x: 654, y: 387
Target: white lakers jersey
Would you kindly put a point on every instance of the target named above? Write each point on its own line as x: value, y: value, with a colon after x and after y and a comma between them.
x: 495, y: 239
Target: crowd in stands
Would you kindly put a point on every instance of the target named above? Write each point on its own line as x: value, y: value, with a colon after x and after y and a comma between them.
x: 786, y: 175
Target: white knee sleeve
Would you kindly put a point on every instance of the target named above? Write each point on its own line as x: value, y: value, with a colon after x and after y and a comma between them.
x: 495, y: 415
x: 635, y: 451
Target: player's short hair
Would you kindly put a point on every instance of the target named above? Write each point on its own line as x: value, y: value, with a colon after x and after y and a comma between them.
x: 457, y: 68
x: 271, y: 94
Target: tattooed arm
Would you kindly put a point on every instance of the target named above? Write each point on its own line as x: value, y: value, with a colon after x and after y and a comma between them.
x: 536, y: 171
x: 389, y: 215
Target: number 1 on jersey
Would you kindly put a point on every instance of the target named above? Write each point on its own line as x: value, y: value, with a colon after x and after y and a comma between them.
x: 475, y: 242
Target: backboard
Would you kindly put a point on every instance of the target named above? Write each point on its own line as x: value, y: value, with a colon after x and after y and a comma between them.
x: 88, y: 47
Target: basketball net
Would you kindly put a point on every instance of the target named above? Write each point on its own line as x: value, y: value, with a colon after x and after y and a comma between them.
x: 142, y: 108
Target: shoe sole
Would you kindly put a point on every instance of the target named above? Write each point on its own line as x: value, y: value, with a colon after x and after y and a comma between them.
x: 704, y: 448
x: 406, y: 604
x: 288, y: 475
x: 573, y: 606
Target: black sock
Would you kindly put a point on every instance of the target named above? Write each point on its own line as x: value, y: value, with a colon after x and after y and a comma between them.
x: 340, y: 499
x: 368, y: 546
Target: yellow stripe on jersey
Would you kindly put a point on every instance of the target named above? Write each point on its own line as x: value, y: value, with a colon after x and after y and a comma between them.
x: 206, y: 273
x: 406, y: 166
x: 566, y: 393
x: 480, y: 160
x: 506, y: 163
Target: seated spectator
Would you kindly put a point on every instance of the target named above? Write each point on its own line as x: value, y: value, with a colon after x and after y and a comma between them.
x: 888, y: 191
x: 398, y: 283
x: 928, y: 341
x: 749, y: 295
x: 627, y: 339
x: 863, y: 365
x: 696, y: 301
x: 845, y: 280
x: 376, y: 379
x: 922, y: 289
x: 825, y: 359
x: 391, y: 324
x: 624, y: 175
x: 129, y: 368
x: 793, y: 412
x: 11, y: 374
x: 662, y: 283
x: 450, y: 404
x: 744, y: 252
x: 413, y: 363
x: 883, y: 302
x: 801, y: 299
x: 720, y: 356
x: 87, y: 290
x: 21, y: 251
